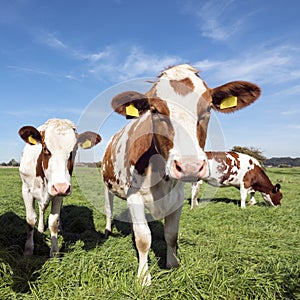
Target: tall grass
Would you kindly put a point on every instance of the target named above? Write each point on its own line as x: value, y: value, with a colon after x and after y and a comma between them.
x: 225, y: 252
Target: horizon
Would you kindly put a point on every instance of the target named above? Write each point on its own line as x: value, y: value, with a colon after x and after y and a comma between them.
x: 64, y: 63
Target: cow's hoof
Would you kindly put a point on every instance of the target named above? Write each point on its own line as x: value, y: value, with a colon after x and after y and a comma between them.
x: 146, y: 279
x: 107, y: 233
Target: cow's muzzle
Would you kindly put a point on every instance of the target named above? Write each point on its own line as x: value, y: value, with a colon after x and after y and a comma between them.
x: 61, y: 189
x: 190, y: 171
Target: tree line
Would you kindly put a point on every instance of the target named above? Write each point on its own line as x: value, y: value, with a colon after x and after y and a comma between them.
x: 252, y: 151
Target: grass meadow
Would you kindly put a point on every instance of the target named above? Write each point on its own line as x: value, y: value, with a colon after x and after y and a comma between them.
x: 225, y: 252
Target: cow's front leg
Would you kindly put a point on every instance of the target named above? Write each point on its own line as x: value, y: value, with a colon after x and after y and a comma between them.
x: 109, y: 203
x: 243, y: 193
x: 54, y: 224
x: 30, y: 219
x: 171, y: 236
x: 142, y: 235
x: 43, y: 204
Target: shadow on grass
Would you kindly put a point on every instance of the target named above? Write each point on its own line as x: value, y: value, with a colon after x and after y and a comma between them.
x: 12, y: 240
x: 158, y: 245
x: 224, y: 200
x: 216, y: 200
x: 78, y: 225
x: 17, y: 270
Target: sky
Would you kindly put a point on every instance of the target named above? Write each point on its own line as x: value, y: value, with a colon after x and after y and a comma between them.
x: 67, y: 59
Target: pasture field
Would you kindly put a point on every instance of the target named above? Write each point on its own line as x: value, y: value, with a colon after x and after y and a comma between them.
x: 225, y: 252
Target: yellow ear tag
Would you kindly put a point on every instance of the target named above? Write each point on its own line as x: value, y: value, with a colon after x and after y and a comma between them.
x: 228, y: 102
x: 86, y: 144
x: 31, y: 140
x: 132, y: 111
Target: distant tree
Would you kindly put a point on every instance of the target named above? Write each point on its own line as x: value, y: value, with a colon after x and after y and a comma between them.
x: 3, y: 164
x: 252, y: 151
x: 13, y: 163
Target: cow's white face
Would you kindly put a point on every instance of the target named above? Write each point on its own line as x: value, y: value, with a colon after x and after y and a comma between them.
x: 178, y: 109
x: 180, y: 88
x: 58, y: 143
x: 59, y: 150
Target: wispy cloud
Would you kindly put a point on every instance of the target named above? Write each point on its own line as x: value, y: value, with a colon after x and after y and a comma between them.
x: 134, y: 64
x: 291, y: 112
x: 114, y: 62
x: 46, y: 112
x: 265, y: 64
x: 44, y: 73
x: 216, y: 19
x: 54, y: 42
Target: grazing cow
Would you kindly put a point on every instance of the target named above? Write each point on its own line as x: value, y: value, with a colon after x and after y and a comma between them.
x: 241, y: 171
x: 149, y: 160
x: 46, y: 168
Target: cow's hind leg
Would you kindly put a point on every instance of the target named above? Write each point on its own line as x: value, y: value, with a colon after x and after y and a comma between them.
x: 142, y: 235
x: 195, y: 191
x: 109, y: 205
x: 54, y: 224
x: 252, y: 199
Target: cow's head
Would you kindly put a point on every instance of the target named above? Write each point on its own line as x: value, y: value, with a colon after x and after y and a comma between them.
x: 178, y: 108
x: 274, y: 196
x: 57, y: 143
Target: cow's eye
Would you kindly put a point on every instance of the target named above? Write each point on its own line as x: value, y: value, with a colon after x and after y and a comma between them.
x: 46, y: 151
x: 153, y: 110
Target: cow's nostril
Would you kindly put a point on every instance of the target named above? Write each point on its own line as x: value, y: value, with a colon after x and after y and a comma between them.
x: 68, y: 190
x: 178, y: 168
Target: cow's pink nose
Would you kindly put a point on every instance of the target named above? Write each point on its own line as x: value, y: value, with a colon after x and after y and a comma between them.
x: 61, y: 189
x: 189, y: 171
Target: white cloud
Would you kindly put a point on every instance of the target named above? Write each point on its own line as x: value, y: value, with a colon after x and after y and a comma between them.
x: 216, y: 19
x: 135, y: 63
x: 44, y: 73
x: 270, y: 65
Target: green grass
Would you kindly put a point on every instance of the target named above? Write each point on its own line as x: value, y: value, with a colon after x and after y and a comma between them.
x: 225, y: 252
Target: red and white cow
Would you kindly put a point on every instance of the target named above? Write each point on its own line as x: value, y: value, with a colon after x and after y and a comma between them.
x: 241, y: 171
x: 149, y: 160
x: 46, y: 167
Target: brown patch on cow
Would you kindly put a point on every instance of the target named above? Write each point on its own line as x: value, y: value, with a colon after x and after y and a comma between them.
x: 236, y: 159
x: 226, y: 162
x: 183, y: 87
x: 162, y: 128
x: 203, y: 113
x: 139, y: 140
x: 250, y: 162
x: 108, y: 165
x: 39, y: 167
x: 71, y: 160
x: 43, y: 159
x: 201, y: 134
x: 160, y: 106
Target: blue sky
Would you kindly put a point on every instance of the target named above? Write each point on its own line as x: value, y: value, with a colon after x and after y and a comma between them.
x: 66, y: 58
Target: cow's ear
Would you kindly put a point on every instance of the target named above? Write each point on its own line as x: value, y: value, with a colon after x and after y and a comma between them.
x: 88, y: 139
x: 234, y: 95
x: 130, y: 104
x: 276, y: 188
x: 30, y: 135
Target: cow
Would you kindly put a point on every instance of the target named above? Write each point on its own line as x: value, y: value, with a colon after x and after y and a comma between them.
x: 241, y: 171
x: 45, y: 168
x: 148, y: 162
